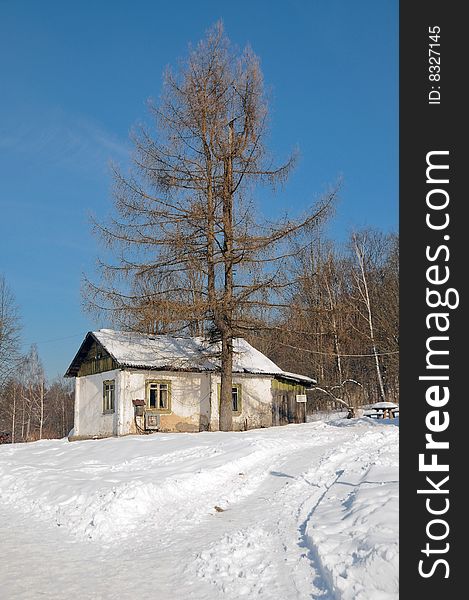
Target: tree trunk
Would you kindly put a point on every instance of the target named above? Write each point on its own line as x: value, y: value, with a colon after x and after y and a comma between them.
x: 334, y: 329
x: 41, y: 418
x: 23, y: 419
x: 226, y: 402
x: 29, y: 409
x: 366, y: 294
x: 64, y: 432
x: 13, y: 416
x: 375, y: 350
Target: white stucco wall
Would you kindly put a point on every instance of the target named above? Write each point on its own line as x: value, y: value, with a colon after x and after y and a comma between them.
x: 194, y: 402
x: 89, y: 418
x: 256, y: 402
x: 190, y: 400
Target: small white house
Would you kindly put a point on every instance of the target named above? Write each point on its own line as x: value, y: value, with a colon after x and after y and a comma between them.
x: 127, y: 383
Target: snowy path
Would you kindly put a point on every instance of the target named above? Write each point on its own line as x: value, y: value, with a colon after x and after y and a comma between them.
x: 309, y: 511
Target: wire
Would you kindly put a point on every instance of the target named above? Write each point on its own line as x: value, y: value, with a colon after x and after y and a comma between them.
x: 68, y: 337
x: 338, y: 355
x: 282, y: 343
x: 140, y: 429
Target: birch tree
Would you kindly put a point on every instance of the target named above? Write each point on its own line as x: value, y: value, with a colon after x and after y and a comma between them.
x: 10, y: 329
x: 363, y: 249
x: 33, y: 394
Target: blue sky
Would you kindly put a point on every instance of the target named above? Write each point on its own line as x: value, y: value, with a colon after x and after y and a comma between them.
x: 75, y: 77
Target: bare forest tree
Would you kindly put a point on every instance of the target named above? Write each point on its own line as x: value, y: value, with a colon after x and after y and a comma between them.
x: 191, y: 253
x: 367, y: 254
x: 32, y: 379
x: 325, y: 332
x: 59, y: 407
x: 29, y: 408
x: 32, y: 409
x: 10, y: 329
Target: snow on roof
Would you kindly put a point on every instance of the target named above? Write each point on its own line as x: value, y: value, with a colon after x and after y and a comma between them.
x: 384, y: 405
x: 295, y: 376
x: 153, y: 351
x: 172, y: 353
x: 183, y: 353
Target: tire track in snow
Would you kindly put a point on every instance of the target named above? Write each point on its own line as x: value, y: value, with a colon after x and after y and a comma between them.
x: 353, y: 450
x: 287, y: 533
x: 309, y: 489
x: 326, y: 580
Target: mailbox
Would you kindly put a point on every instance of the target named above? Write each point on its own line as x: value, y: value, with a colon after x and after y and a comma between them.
x: 138, y: 407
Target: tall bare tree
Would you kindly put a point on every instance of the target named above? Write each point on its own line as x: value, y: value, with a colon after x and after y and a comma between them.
x: 59, y: 407
x: 10, y: 329
x: 364, y: 248
x: 190, y: 248
x: 33, y: 389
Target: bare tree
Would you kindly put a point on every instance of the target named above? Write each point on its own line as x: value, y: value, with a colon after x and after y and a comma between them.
x: 325, y: 331
x: 33, y: 394
x: 28, y: 408
x: 59, y: 408
x: 190, y: 247
x: 363, y: 248
x: 10, y: 329
x: 31, y: 409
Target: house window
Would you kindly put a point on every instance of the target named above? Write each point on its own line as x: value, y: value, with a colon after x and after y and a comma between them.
x: 235, y: 397
x: 108, y: 396
x: 159, y: 396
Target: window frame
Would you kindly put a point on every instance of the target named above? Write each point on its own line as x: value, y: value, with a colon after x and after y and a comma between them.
x: 148, y: 384
x: 109, y: 404
x: 239, y: 387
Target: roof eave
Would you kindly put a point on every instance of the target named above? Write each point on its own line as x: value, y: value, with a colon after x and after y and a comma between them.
x: 298, y: 378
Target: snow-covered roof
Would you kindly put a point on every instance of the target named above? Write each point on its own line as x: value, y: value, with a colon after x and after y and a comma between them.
x: 298, y: 377
x: 165, y: 352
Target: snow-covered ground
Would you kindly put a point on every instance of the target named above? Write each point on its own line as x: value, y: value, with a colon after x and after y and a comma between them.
x: 287, y: 513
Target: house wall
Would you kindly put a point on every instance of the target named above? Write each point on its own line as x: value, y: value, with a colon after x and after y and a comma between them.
x: 285, y: 408
x: 194, y: 402
x: 256, y: 399
x: 190, y: 400
x: 89, y: 418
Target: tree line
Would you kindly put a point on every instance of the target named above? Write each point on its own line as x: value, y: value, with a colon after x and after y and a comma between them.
x: 31, y: 408
x: 341, y: 322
